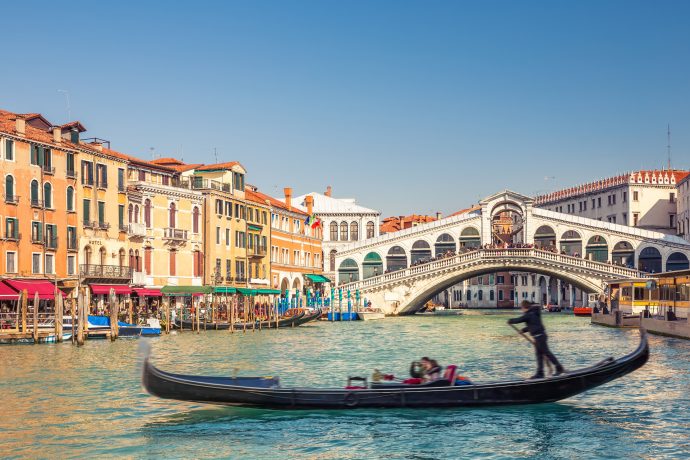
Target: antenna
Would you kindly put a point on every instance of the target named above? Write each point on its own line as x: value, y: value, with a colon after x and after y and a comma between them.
x: 215, y: 154
x: 69, y: 111
x: 153, y: 153
x: 668, y: 145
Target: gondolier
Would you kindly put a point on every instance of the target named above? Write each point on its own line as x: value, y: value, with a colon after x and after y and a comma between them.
x: 533, y: 324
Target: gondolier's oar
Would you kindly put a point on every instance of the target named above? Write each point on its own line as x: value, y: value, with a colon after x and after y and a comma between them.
x: 531, y: 340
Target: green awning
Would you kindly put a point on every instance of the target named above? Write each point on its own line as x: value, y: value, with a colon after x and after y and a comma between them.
x: 254, y: 228
x: 317, y: 278
x: 246, y: 291
x: 224, y: 290
x: 267, y: 291
x: 174, y: 291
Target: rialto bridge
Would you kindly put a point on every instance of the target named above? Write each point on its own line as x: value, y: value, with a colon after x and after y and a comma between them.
x: 400, y: 271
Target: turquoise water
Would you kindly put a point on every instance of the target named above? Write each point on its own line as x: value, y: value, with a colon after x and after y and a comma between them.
x: 63, y: 401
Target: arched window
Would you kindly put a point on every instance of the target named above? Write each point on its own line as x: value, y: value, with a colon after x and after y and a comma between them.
x: 9, y: 189
x: 354, y: 231
x: 343, y: 231
x: 34, y: 192
x: 491, y: 295
x: 332, y: 259
x: 136, y: 213
x: 132, y: 262
x: 137, y: 261
x: 87, y: 255
x: 130, y: 213
x: 121, y: 257
x: 48, y: 195
x: 334, y: 232
x: 195, y: 220
x: 102, y: 255
x: 172, y: 212
x: 370, y: 229
x: 147, y: 213
x: 70, y: 198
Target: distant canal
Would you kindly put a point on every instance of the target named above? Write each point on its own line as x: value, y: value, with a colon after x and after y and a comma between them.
x: 63, y: 401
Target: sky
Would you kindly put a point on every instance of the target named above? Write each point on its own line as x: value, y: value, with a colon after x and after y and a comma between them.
x: 407, y: 106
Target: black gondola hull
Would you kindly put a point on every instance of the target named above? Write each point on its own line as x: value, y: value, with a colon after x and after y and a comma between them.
x: 229, y: 391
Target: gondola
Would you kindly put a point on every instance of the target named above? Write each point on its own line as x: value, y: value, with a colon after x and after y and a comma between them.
x: 266, y: 392
x: 282, y: 322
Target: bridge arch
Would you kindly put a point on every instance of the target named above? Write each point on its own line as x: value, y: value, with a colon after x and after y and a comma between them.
x: 623, y: 253
x: 425, y: 290
x: 650, y: 260
x: 396, y: 259
x: 348, y: 271
x: 421, y: 249
x: 597, y: 249
x: 444, y: 243
x: 677, y: 261
x: 571, y: 243
x: 372, y: 265
x: 545, y: 236
x: 470, y: 237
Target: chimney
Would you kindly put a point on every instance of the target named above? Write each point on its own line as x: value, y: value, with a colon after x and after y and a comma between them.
x: 329, y: 191
x: 309, y: 200
x: 97, y: 145
x: 288, y: 197
x: 20, y: 126
x: 438, y: 215
x: 57, y: 134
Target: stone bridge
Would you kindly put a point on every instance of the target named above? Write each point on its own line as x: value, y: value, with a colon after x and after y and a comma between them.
x: 425, y: 260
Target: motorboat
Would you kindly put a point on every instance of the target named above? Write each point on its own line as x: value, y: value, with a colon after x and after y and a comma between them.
x: 370, y: 313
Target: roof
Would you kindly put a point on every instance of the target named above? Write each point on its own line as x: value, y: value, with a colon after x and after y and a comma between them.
x: 175, y: 164
x: 220, y: 166
x: 646, y: 177
x: 74, y: 124
x: 394, y: 224
x: 476, y: 207
x: 254, y: 195
x: 138, y: 161
x: 328, y: 205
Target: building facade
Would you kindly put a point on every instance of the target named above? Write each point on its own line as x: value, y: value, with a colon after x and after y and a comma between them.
x: 646, y: 199
x: 344, y: 222
x: 683, y: 215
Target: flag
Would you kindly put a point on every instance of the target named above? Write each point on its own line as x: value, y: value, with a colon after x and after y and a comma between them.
x: 307, y: 221
x: 316, y: 222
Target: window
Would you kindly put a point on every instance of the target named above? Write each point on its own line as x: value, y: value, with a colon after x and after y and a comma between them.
x: 36, y: 232
x: 9, y: 149
x: 219, y: 207
x: 71, y: 237
x: 49, y: 264
x: 147, y: 260
x: 51, y: 236
x: 101, y: 212
x: 370, y: 229
x: 171, y: 214
x: 217, y: 235
x: 70, y: 198
x: 491, y: 295
x: 34, y: 193
x: 228, y: 268
x: 35, y: 263
x: 86, y: 172
x: 121, y: 216
x: 636, y: 196
x: 9, y: 189
x: 48, y: 195
x: 599, y: 202
x: 71, y: 265
x: 166, y: 180
x: 343, y: 231
x: 625, y: 218
x: 354, y: 231
x: 195, y: 220
x: 36, y: 155
x: 142, y: 175
x: 480, y: 294
x: 11, y: 262
x: 672, y: 220
x: 671, y: 197
x: 120, y: 179
x: 594, y: 202
x: 613, y: 199
x: 500, y: 279
x: 101, y: 176
x: 636, y: 217
x: 500, y: 294
x: 227, y: 237
x: 11, y: 228
x: 47, y: 162
x: 334, y: 233
x: 625, y: 197
x: 70, y: 165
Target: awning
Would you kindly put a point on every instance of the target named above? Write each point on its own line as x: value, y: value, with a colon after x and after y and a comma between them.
x: 7, y: 293
x: 317, y: 278
x: 45, y: 288
x: 182, y: 291
x: 104, y: 289
x: 146, y: 292
x: 224, y: 290
x: 267, y: 291
x: 246, y: 291
x: 254, y: 228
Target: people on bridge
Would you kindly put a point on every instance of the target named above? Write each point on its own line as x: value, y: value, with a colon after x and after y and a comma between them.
x: 533, y: 324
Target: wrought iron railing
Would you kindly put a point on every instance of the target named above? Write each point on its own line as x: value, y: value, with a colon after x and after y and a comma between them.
x: 105, y: 271
x: 11, y: 199
x: 51, y: 243
x: 50, y: 170
x: 36, y: 203
x: 103, y: 225
x: 71, y: 174
x: 257, y: 251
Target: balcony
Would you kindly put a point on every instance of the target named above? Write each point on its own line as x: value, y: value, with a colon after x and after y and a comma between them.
x: 71, y: 174
x: 175, y: 234
x: 102, y: 225
x: 258, y: 251
x: 229, y: 279
x: 13, y: 236
x: 72, y: 244
x: 200, y: 184
x: 37, y: 239
x: 105, y: 271
x: 11, y: 199
x: 51, y: 242
x: 139, y: 278
x: 35, y: 203
x: 89, y: 224
x: 50, y: 170
x: 240, y: 279
x: 121, y: 188
x: 136, y: 229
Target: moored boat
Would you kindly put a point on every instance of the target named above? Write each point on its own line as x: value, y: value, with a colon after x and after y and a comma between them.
x: 582, y: 311
x: 266, y: 392
x: 370, y: 314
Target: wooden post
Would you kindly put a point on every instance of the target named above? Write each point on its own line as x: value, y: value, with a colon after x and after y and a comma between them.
x: 231, y: 313
x: 74, y: 319
x: 198, y: 312
x: 35, y: 331
x: 80, y: 315
x: 130, y: 310
x: 25, y: 307
x: 114, y: 310
x: 58, y: 316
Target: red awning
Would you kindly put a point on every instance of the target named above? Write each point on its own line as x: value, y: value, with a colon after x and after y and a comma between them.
x: 45, y: 288
x: 7, y: 293
x: 146, y: 292
x: 120, y: 289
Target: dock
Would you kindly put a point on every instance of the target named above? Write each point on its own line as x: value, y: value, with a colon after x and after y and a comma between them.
x: 678, y: 328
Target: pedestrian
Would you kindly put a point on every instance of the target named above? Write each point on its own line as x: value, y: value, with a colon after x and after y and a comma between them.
x: 533, y: 324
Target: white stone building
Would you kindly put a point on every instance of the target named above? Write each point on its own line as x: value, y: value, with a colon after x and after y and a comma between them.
x: 344, y: 222
x: 644, y: 199
x: 683, y: 212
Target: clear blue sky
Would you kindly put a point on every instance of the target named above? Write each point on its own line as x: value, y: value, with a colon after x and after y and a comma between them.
x: 407, y: 106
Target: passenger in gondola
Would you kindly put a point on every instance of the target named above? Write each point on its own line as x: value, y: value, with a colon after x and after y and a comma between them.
x: 532, y: 318
x: 432, y: 371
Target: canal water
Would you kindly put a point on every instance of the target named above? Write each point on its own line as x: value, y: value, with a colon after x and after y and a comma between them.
x: 68, y: 402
